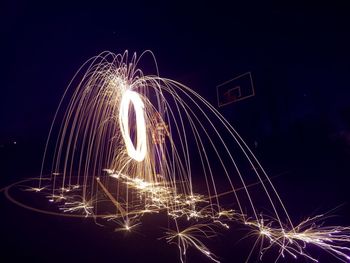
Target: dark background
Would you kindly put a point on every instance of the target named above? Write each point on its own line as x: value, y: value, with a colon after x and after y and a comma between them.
x: 300, y: 117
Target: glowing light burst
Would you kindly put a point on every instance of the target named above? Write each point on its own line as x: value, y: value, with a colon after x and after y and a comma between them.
x: 128, y: 144
x: 141, y: 149
x: 191, y: 237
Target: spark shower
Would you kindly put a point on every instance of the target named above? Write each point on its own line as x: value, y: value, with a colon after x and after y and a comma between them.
x: 124, y: 144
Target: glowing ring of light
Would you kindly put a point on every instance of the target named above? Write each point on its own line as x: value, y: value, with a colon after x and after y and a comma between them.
x: 140, y: 151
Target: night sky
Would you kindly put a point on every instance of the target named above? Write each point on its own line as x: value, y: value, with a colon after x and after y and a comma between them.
x: 298, y: 124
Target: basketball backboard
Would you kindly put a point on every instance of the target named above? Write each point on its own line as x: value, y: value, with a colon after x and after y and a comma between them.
x: 236, y: 89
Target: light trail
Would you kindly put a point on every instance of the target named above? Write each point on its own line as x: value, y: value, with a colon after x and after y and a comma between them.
x: 133, y: 97
x: 129, y: 144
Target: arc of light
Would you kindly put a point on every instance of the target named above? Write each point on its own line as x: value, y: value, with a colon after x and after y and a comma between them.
x: 140, y: 151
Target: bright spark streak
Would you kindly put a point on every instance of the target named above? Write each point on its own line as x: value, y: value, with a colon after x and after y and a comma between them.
x: 190, y: 237
x: 149, y: 163
x: 140, y: 151
x: 35, y: 189
x: 71, y: 207
x: 332, y: 239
